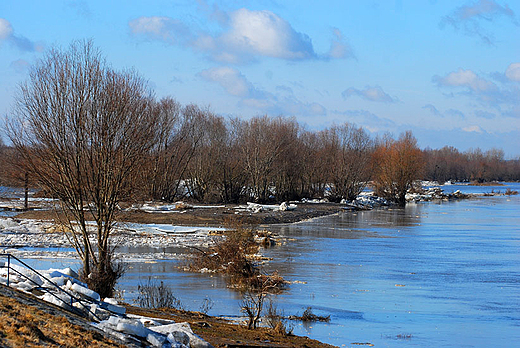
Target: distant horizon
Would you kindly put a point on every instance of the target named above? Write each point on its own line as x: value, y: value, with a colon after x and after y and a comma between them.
x: 448, y: 71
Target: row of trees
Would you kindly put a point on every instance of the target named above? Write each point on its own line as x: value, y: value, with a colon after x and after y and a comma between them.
x: 473, y: 165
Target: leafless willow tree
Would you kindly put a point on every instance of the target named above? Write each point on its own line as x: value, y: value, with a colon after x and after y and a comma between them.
x: 399, y: 163
x: 289, y: 165
x: 263, y: 141
x: 350, y: 160
x: 204, y: 168
x: 315, y: 171
x: 231, y: 176
x: 83, y: 129
x: 181, y: 131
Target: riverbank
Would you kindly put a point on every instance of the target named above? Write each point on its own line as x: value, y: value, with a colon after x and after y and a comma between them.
x: 26, y: 321
x: 209, y: 215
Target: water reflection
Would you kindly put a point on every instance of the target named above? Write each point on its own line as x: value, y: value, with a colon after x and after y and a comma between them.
x: 356, y: 225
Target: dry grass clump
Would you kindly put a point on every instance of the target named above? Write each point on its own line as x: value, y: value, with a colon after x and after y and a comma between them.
x: 277, y: 322
x: 25, y: 326
x: 233, y: 256
x: 153, y: 295
x: 309, y: 316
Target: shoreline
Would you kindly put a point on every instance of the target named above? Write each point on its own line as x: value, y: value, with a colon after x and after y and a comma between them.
x: 210, y: 215
x: 48, y: 321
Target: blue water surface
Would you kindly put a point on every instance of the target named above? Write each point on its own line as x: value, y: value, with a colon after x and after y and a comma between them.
x: 435, y: 274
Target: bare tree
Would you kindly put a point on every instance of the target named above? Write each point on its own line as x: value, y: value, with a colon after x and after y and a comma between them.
x: 314, y: 166
x: 263, y: 141
x: 181, y: 131
x: 350, y: 160
x: 204, y: 168
x: 399, y: 164
x: 231, y: 176
x: 82, y: 129
x: 288, y: 171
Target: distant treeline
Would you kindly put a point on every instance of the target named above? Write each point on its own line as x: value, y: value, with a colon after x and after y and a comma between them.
x: 210, y: 158
x: 473, y: 165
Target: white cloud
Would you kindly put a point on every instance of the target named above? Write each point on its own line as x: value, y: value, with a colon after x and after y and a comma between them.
x: 236, y: 84
x: 473, y: 129
x: 432, y: 109
x: 6, y: 30
x: 266, y: 34
x: 499, y: 94
x: 375, y: 94
x: 367, y: 119
x: 339, y: 48
x: 465, y: 78
x: 513, y: 72
x: 230, y: 79
x: 160, y: 28
x: 18, y: 41
x: 245, y: 35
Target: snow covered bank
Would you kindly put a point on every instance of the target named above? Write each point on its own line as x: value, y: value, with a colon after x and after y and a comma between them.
x: 44, y: 239
x: 62, y: 288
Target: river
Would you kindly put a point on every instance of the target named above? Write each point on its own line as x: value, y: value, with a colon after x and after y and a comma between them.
x: 433, y: 274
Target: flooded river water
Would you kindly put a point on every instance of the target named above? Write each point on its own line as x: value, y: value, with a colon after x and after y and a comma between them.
x: 438, y: 274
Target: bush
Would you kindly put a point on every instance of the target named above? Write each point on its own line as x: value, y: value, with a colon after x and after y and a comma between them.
x: 232, y: 256
x: 153, y: 295
x: 309, y: 316
x: 103, y: 280
x: 276, y: 321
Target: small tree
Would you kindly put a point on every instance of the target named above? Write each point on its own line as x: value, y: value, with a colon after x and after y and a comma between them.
x: 82, y: 130
x: 399, y: 164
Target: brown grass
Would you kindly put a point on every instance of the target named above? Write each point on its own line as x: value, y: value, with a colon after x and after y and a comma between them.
x: 486, y: 183
x: 26, y: 326
x: 221, y: 333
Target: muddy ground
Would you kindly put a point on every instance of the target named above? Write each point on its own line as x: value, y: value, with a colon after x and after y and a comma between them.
x: 212, y: 215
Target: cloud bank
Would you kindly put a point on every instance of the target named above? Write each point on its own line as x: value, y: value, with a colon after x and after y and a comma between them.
x: 502, y: 94
x: 246, y: 35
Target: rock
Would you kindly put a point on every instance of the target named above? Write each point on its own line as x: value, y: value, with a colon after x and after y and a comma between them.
x: 179, y: 337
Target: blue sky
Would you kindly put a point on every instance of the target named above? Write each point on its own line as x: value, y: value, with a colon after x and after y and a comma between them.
x: 447, y: 70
